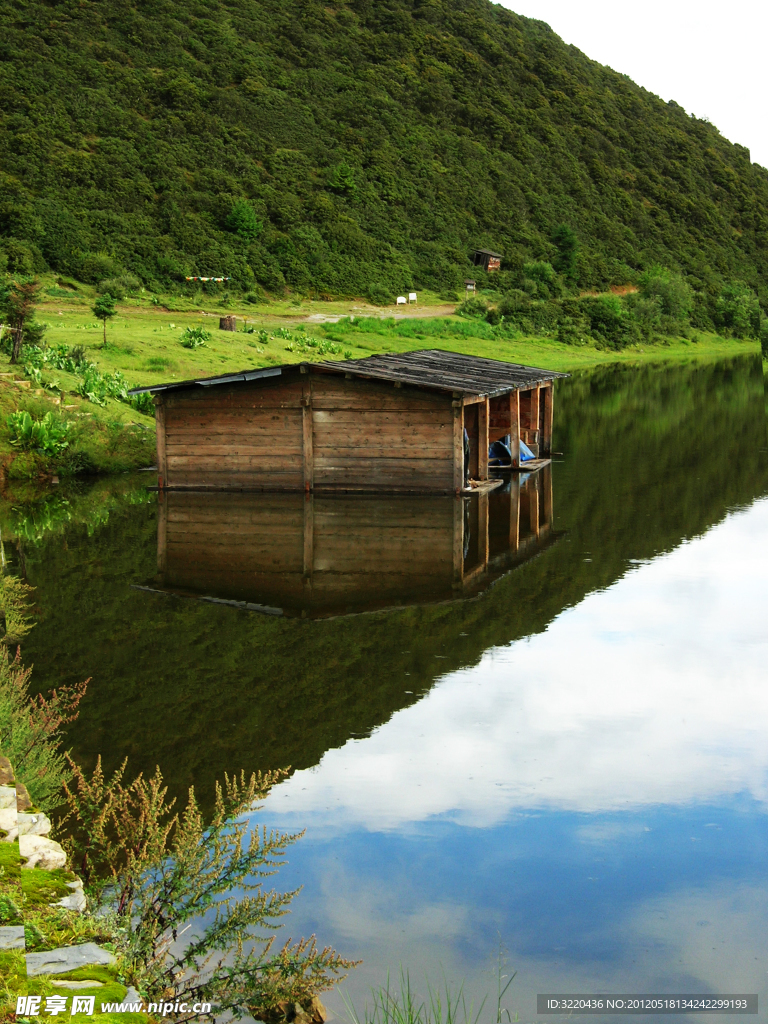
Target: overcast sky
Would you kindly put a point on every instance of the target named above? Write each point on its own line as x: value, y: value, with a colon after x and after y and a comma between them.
x: 709, y: 57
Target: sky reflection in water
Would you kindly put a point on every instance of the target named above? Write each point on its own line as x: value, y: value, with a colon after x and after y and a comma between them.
x: 593, y: 797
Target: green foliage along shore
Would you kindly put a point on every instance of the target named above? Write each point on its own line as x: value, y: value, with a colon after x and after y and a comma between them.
x: 351, y: 147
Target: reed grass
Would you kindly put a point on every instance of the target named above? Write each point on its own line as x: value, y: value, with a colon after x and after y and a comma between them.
x: 401, y: 1004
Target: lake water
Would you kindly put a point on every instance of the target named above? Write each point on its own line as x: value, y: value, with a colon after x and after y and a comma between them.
x: 538, y: 726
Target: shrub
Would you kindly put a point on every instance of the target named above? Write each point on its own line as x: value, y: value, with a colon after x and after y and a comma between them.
x: 243, y: 221
x: 572, y: 332
x: 159, y: 873
x: 764, y: 338
x: 673, y: 294
x: 143, y: 403
x: 47, y: 435
x: 194, y: 337
x: 119, y: 287
x: 608, y: 320
x: 379, y: 295
x: 567, y: 250
x: 30, y: 727
x: 646, y: 311
x: 738, y: 310
x: 472, y: 307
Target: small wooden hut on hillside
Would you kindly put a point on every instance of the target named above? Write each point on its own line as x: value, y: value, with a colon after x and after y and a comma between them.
x: 487, y: 259
x: 391, y: 423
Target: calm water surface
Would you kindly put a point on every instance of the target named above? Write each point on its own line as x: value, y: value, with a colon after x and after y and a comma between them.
x: 563, y: 755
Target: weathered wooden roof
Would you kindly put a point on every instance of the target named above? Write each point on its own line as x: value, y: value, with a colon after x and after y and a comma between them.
x: 490, y: 252
x: 432, y: 369
x: 445, y: 371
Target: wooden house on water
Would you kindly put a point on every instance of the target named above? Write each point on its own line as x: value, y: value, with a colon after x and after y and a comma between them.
x: 316, y: 556
x: 388, y: 423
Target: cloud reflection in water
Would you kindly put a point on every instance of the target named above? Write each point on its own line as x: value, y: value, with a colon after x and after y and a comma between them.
x: 650, y: 692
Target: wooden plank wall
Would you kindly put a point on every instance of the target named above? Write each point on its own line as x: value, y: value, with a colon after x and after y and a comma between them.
x: 245, y: 435
x: 368, y: 436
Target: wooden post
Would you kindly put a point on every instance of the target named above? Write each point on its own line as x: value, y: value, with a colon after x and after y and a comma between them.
x: 535, y: 395
x: 548, y: 395
x: 514, y: 428
x: 483, y: 420
x: 514, y: 514
x: 306, y: 425
x: 458, y: 446
x: 228, y: 323
x: 162, y: 466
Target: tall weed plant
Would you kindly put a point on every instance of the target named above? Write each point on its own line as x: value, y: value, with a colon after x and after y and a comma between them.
x: 162, y: 875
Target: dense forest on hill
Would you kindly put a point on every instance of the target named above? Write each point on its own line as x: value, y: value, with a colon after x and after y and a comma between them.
x: 350, y: 147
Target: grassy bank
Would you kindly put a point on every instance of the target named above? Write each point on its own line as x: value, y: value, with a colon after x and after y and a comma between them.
x: 144, y: 345
x: 144, y: 339
x: 109, y: 439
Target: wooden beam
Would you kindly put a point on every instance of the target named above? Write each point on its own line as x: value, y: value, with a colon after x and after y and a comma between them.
x: 458, y: 449
x: 514, y: 427
x: 473, y: 399
x: 162, y: 466
x: 306, y: 425
x: 548, y: 394
x: 535, y: 398
x: 483, y: 417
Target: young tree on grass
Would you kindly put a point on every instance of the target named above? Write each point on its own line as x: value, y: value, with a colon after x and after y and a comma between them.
x: 104, y: 309
x: 19, y: 302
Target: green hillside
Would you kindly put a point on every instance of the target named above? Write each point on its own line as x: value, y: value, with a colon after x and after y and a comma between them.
x: 352, y: 147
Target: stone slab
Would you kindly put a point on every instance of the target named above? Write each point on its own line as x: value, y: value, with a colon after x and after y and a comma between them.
x: 12, y: 936
x: 131, y: 996
x: 68, y: 958
x: 40, y: 851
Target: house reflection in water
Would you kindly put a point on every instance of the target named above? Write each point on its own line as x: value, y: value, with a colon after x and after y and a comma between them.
x: 319, y: 556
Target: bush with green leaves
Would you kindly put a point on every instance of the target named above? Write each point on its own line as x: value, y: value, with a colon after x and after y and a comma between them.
x: 31, y: 727
x: 195, y: 337
x: 161, y: 875
x: 472, y: 307
x: 119, y: 287
x: 764, y: 338
x: 609, y: 320
x: 93, y: 385
x: 48, y: 435
x: 379, y: 295
x: 738, y: 311
x: 567, y: 244
x: 243, y: 221
x: 671, y: 292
